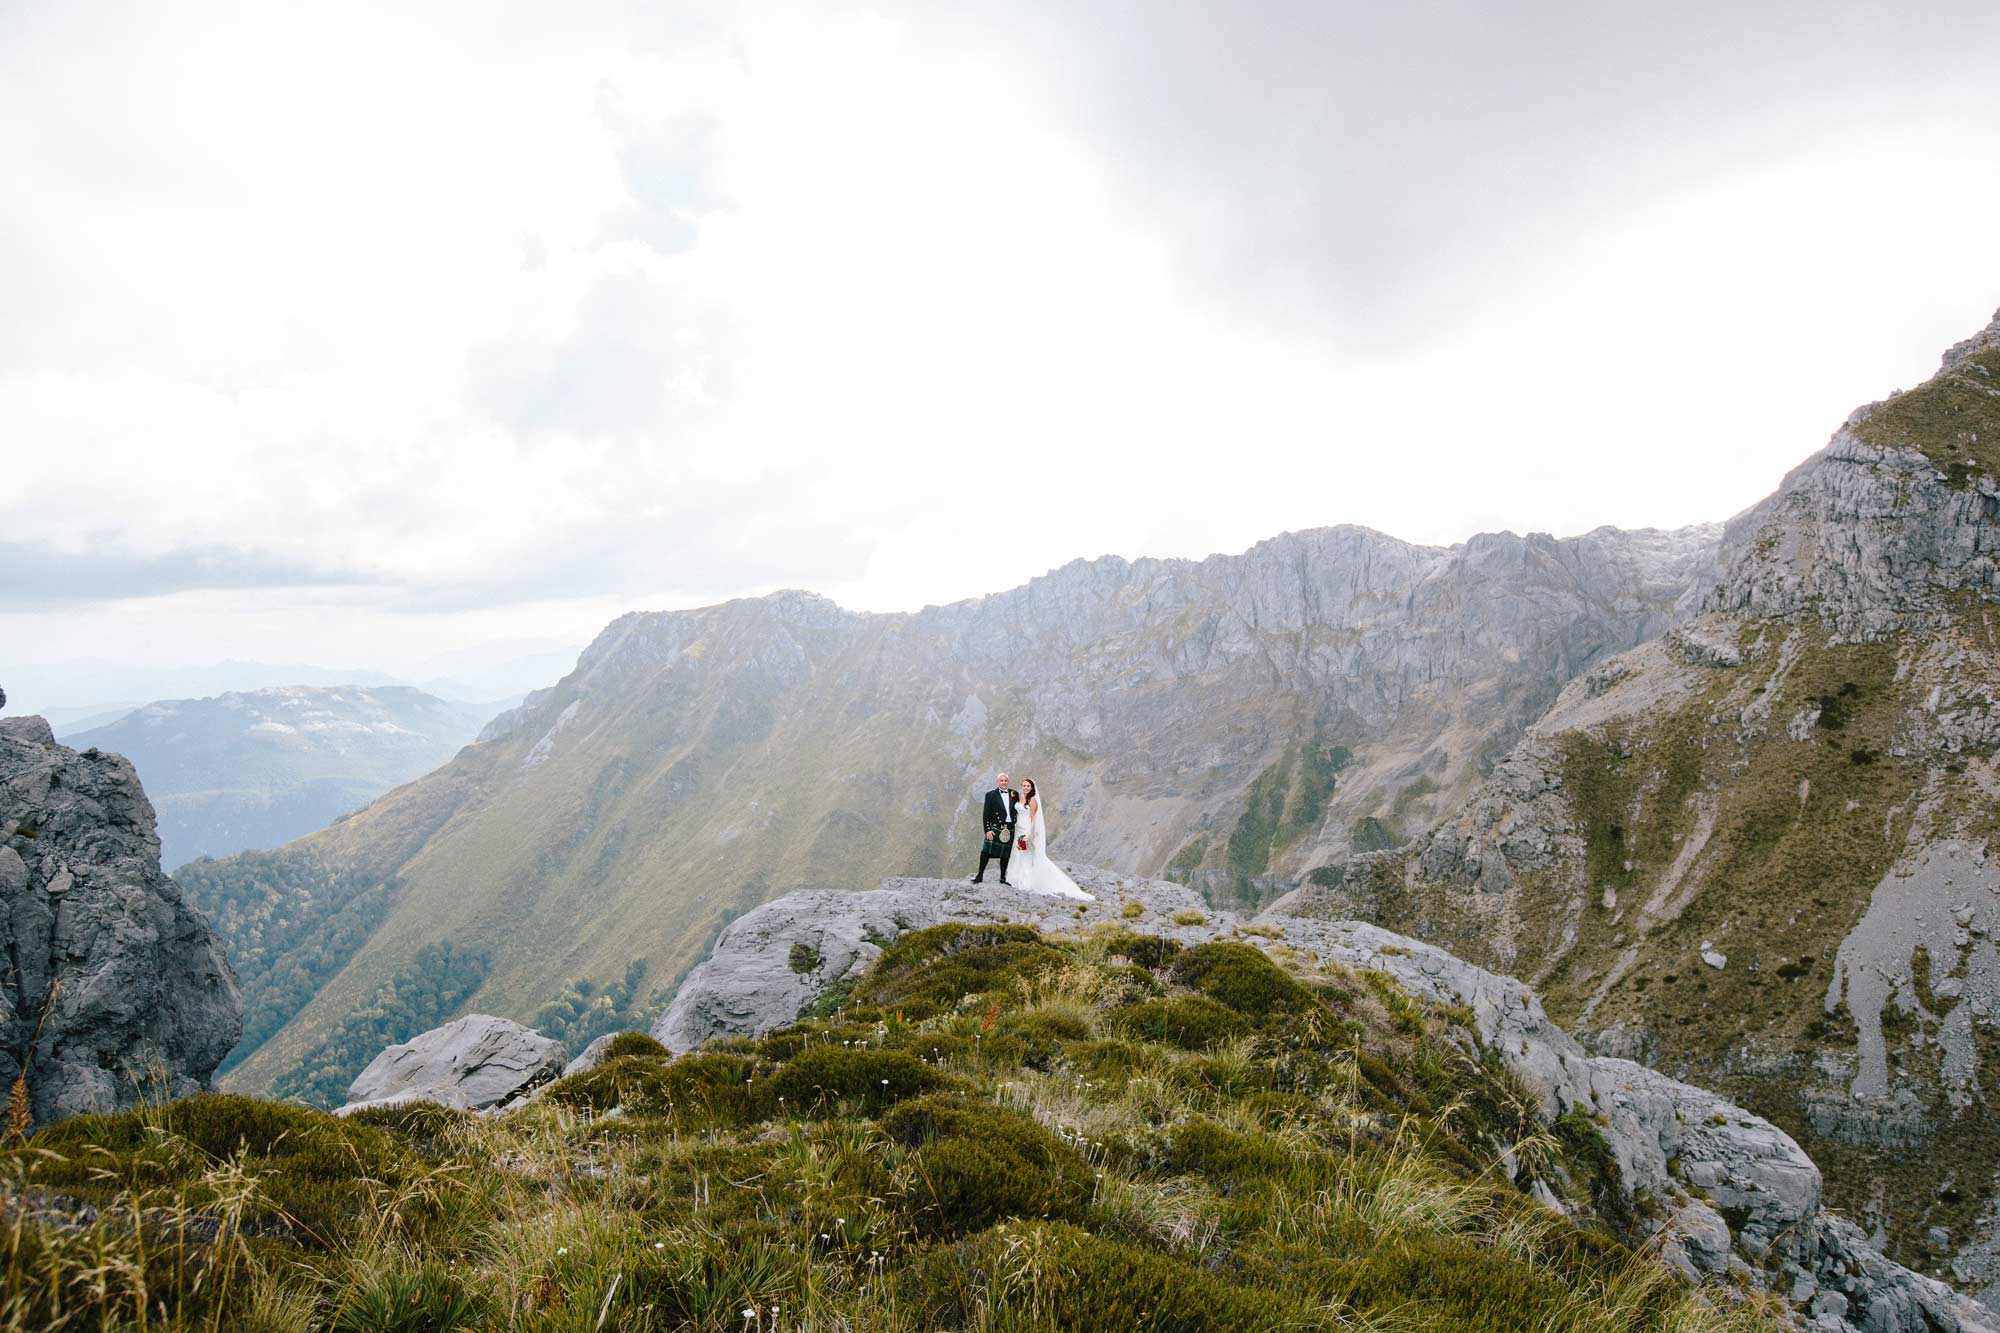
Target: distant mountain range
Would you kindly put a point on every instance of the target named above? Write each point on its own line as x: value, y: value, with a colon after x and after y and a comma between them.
x: 258, y: 768
x: 79, y: 694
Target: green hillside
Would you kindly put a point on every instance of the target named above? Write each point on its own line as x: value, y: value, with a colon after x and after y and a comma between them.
x: 994, y: 1130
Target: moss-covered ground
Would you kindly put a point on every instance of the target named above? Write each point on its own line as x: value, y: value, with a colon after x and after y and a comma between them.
x: 992, y: 1130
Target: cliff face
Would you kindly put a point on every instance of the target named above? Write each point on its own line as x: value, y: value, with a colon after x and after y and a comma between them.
x: 113, y: 987
x: 1755, y: 852
x: 1243, y: 718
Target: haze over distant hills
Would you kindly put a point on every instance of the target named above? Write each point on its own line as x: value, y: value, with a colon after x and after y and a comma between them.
x: 76, y: 695
x: 258, y: 768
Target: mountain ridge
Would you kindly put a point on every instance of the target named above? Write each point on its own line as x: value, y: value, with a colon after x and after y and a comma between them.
x: 1754, y: 852
x: 1366, y: 673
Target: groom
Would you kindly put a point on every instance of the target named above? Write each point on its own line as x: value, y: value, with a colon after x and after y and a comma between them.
x: 1002, y: 803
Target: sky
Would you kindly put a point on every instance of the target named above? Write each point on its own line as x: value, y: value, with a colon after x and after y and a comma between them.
x: 384, y: 335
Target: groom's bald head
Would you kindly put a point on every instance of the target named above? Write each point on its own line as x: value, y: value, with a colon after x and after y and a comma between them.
x: 1003, y: 779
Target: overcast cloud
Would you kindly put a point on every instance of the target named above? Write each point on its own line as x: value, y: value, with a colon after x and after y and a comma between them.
x: 358, y: 334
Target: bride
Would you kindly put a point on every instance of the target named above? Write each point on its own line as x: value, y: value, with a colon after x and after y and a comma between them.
x: 1033, y: 871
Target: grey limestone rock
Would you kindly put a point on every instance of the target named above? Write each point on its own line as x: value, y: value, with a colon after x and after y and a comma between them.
x: 471, y: 1063
x: 593, y: 1055
x: 139, y: 998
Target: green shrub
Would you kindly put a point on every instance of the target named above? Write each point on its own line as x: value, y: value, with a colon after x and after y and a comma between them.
x: 1111, y: 1061
x: 424, y: 1299
x: 635, y: 1043
x: 1447, y: 1281
x: 931, y: 970
x: 1043, y: 1034
x: 428, y: 1128
x: 707, y: 1088
x: 1152, y: 951
x: 1135, y: 981
x: 313, y: 1168
x: 1204, y: 1148
x: 815, y: 1080
x: 1192, y: 1022
x: 979, y: 1164
x: 932, y: 1047
x: 1243, y: 978
x: 1052, y: 1275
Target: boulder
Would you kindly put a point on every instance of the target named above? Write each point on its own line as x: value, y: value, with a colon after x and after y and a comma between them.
x: 470, y: 1063
x: 593, y: 1055
x: 116, y: 989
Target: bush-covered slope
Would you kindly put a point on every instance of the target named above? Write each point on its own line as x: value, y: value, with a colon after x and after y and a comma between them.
x: 995, y: 1130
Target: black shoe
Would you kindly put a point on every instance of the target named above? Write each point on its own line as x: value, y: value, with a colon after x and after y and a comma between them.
x: 979, y: 879
x: 1005, y: 884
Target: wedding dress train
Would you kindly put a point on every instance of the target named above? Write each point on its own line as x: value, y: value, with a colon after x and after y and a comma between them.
x: 1032, y: 871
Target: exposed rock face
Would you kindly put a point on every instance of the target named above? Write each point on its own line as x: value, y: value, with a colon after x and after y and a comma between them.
x: 1757, y: 851
x: 258, y: 768
x: 138, y: 997
x: 593, y: 1055
x: 1874, y: 533
x: 1733, y: 1191
x: 470, y: 1063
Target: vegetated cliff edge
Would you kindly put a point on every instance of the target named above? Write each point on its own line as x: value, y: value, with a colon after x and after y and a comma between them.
x: 112, y: 988
x: 1726, y: 1192
x: 1239, y: 717
x: 1757, y: 852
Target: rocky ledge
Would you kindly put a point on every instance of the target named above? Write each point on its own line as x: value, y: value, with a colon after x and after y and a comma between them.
x: 1729, y: 1193
x: 114, y: 988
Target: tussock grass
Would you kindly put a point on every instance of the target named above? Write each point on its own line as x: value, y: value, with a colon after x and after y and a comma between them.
x: 994, y: 1131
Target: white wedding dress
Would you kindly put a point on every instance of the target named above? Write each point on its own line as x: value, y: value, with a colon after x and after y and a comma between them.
x: 1031, y: 870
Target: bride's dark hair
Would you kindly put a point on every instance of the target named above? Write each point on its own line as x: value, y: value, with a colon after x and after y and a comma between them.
x: 1032, y: 791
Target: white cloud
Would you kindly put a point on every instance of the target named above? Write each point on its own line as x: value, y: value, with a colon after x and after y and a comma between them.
x: 363, y: 331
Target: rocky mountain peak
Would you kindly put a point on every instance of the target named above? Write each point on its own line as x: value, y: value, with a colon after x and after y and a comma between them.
x: 1898, y: 516
x: 1986, y: 340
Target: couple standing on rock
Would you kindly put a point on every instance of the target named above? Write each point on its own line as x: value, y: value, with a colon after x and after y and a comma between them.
x: 1014, y: 823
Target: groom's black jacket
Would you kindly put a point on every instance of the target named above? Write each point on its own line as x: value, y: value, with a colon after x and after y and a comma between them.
x: 996, y: 809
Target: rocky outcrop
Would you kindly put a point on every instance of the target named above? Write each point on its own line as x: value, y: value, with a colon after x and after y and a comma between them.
x: 471, y: 1063
x: 774, y: 961
x: 1897, y: 514
x: 1732, y: 1193
x: 112, y: 987
x: 593, y: 1055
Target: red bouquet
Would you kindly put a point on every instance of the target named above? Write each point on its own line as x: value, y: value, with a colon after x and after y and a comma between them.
x: 1021, y: 844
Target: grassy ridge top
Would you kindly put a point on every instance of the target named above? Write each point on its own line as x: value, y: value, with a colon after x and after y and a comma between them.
x: 992, y: 1130
x: 1953, y: 419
